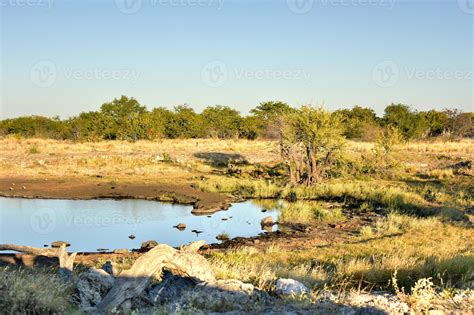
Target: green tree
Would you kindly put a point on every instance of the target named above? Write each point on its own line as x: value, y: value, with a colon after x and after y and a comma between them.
x: 35, y: 126
x: 185, y: 123
x: 409, y: 122
x: 437, y: 122
x: 269, y: 114
x: 250, y: 127
x: 123, y: 119
x: 460, y: 124
x: 221, y: 121
x: 311, y: 141
x: 156, y: 121
x: 359, y: 123
x: 87, y: 126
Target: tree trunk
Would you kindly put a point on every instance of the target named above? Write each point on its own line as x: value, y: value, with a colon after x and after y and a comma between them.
x: 131, y: 283
x: 66, y: 264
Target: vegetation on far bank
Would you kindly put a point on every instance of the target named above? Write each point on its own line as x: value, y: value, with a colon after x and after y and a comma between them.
x: 126, y: 119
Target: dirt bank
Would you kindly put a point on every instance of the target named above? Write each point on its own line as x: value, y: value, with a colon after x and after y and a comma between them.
x: 178, y: 191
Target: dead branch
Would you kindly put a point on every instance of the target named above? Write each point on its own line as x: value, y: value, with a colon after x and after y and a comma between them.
x: 133, y: 282
x: 48, y: 252
x: 66, y: 261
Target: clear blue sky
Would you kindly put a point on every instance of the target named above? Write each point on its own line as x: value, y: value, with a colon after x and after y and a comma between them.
x: 63, y: 57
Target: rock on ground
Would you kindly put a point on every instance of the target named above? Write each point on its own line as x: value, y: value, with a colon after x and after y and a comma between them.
x: 120, y: 251
x: 92, y: 285
x: 57, y: 244
x: 379, y: 301
x: 110, y: 268
x: 227, y: 295
x: 290, y: 287
x: 169, y: 290
x: 267, y: 221
x: 146, y: 246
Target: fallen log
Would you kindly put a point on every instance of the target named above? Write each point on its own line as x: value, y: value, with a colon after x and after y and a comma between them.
x: 66, y: 261
x: 30, y: 250
x: 132, y: 283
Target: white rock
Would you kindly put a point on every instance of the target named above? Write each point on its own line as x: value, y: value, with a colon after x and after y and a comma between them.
x: 290, y: 287
x: 230, y: 294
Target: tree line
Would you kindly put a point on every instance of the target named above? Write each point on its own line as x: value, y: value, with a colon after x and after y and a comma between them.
x: 125, y: 118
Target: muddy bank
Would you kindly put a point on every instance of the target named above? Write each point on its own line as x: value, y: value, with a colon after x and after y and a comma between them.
x: 289, y: 237
x: 180, y: 191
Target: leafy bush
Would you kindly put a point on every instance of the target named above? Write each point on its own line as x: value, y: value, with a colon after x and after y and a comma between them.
x: 389, y: 138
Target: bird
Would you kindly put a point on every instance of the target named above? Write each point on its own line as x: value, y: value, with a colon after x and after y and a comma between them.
x: 132, y: 237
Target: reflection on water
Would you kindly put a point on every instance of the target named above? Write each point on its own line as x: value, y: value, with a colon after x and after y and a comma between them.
x: 92, y: 224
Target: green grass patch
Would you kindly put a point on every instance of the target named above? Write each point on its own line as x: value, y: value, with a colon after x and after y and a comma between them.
x: 307, y: 211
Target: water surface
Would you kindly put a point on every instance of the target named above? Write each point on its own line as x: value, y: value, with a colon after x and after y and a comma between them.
x: 90, y: 225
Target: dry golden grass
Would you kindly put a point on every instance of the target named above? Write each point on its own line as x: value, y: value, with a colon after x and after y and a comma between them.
x: 461, y: 147
x: 416, y: 248
x: 121, y: 159
x: 182, y: 149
